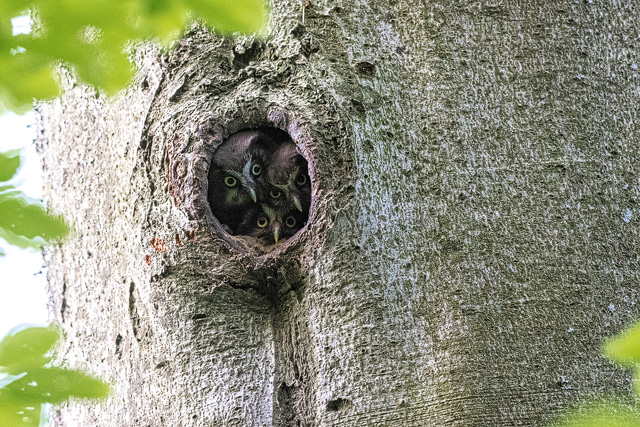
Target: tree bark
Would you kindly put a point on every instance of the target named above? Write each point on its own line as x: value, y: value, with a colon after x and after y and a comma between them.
x: 473, y: 234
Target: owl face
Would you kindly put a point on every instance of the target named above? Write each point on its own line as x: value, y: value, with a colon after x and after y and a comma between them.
x: 237, y: 176
x: 243, y: 160
x: 290, y: 186
x: 271, y: 225
x: 244, y: 183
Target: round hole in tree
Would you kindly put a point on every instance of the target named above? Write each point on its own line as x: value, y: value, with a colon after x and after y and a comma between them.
x: 259, y: 185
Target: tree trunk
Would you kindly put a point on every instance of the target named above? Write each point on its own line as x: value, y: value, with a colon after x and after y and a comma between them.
x: 473, y: 235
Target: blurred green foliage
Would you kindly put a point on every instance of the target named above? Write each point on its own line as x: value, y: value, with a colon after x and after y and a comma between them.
x: 28, y: 381
x: 609, y: 413
x: 24, y: 224
x: 91, y: 35
x: 623, y: 349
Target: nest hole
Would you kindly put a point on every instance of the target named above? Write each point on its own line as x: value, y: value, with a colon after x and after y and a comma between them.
x: 259, y: 185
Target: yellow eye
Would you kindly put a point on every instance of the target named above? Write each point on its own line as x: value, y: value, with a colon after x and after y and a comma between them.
x: 301, y: 179
x: 290, y: 222
x: 262, y: 222
x: 230, y: 181
x: 256, y: 169
x: 275, y: 194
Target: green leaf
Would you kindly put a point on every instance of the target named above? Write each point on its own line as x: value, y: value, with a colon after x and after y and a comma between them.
x: 29, y: 220
x: 9, y: 189
x: 13, y: 8
x: 162, y: 19
x: 625, y: 347
x: 19, y: 409
x: 55, y: 385
x: 26, y: 347
x: 25, y: 355
x: 26, y: 76
x: 21, y: 241
x: 9, y: 164
x: 109, y: 68
x: 18, y: 415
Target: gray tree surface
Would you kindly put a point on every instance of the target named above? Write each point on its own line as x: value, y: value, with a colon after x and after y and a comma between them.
x: 473, y: 235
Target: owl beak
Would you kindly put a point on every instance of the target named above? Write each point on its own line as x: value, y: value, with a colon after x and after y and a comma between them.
x: 248, y: 182
x: 296, y: 202
x: 276, y: 233
x: 252, y: 193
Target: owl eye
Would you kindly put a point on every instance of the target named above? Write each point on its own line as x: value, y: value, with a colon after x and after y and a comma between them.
x: 256, y: 169
x: 290, y: 222
x: 262, y: 222
x: 230, y: 181
x: 301, y: 179
x: 275, y: 194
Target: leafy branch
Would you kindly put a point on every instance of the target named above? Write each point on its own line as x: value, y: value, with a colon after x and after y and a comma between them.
x: 24, y: 224
x: 90, y: 36
x: 28, y: 381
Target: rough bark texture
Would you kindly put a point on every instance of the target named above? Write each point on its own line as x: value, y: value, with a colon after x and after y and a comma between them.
x: 473, y: 236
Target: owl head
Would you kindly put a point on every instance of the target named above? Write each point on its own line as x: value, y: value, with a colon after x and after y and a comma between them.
x: 271, y: 225
x: 288, y: 179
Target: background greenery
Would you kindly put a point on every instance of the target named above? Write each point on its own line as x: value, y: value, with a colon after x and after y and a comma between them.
x: 92, y: 37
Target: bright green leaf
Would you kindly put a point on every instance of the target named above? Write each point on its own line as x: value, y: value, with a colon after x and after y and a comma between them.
x: 20, y: 411
x: 18, y: 415
x: 625, y: 347
x: 30, y: 382
x: 21, y: 241
x: 24, y: 77
x: 26, y: 347
x: 13, y: 8
x: 29, y: 220
x: 162, y: 19
x: 11, y: 396
x: 9, y: 189
x: 55, y: 385
x: 9, y: 164
x: 71, y: 15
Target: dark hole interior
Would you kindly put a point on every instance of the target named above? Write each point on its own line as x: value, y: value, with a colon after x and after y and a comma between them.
x: 259, y: 185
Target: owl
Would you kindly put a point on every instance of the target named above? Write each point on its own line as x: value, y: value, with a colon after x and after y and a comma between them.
x: 270, y: 225
x: 288, y: 178
x: 237, y: 176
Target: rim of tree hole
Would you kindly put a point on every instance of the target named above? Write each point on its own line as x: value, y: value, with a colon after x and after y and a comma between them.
x: 259, y: 187
x: 188, y: 158
x: 193, y: 187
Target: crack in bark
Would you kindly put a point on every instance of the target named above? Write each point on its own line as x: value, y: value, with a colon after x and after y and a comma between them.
x: 63, y: 304
x: 133, y: 312
x: 118, y: 351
